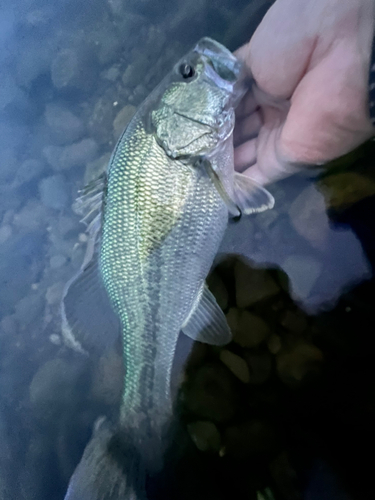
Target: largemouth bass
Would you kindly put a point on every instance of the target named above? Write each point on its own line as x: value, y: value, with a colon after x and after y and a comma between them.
x: 169, y: 189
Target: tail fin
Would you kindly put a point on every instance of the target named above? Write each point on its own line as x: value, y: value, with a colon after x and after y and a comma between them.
x: 111, y: 468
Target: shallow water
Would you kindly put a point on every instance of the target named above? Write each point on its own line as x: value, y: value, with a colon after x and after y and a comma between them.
x: 72, y: 74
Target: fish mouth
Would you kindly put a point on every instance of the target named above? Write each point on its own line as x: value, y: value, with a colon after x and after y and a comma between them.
x: 222, y: 67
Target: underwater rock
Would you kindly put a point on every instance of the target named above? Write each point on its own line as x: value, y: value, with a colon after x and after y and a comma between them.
x: 298, y: 363
x: 29, y: 308
x: 9, y: 90
x: 344, y: 189
x: 21, y: 262
x: 143, y: 57
x: 9, y: 326
x: 31, y: 217
x: 57, y: 261
x: 100, y: 119
x: 55, y: 339
x: 205, y: 436
x: 122, y: 119
x: 53, y: 387
x: 74, y: 155
x: 294, y: 321
x: 63, y: 126
x: 65, y: 68
x: 309, y: 218
x: 109, y: 44
x: 236, y: 365
x: 274, y: 343
x: 249, y: 330
x: 267, y: 218
x: 210, y: 393
x: 303, y: 272
x: 197, y: 356
x: 5, y: 233
x: 135, y: 71
x: 254, y: 437
x: 253, y: 285
x: 285, y: 477
x: 9, y: 163
x: 74, y: 68
x: 259, y: 362
x: 112, y: 74
x: 219, y: 290
x: 108, y: 378
x: 35, y: 473
x: 54, y: 192
x: 28, y: 170
x: 54, y: 293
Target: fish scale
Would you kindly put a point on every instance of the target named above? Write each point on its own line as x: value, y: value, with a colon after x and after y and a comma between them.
x: 170, y: 187
x: 153, y: 226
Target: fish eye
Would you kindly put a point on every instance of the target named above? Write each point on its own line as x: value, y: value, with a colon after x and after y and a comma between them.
x: 186, y: 70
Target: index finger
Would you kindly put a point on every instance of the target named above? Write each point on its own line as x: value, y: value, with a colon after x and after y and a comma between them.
x: 243, y: 52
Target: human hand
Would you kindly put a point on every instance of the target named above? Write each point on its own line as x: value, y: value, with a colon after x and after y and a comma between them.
x: 310, y: 61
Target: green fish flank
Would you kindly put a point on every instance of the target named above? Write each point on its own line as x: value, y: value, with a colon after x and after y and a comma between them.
x: 169, y: 190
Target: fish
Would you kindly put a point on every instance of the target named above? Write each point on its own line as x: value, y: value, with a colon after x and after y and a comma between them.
x: 155, y: 222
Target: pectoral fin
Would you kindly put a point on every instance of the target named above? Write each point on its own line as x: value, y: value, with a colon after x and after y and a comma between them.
x: 207, y: 322
x: 233, y: 209
x: 250, y: 196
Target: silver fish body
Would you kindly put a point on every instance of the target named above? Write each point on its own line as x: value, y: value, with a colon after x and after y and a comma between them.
x: 163, y: 222
x: 170, y: 187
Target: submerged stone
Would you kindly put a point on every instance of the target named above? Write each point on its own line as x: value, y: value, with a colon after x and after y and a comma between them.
x: 236, y: 365
x: 253, y: 285
x: 64, y: 127
x: 205, y: 435
x: 211, y: 393
x: 54, y: 192
x: 74, y: 155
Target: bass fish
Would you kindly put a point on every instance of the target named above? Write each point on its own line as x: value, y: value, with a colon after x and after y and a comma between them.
x: 169, y: 190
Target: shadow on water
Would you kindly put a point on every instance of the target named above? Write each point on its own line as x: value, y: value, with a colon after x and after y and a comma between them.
x: 290, y: 402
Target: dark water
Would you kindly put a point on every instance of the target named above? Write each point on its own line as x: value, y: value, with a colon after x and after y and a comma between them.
x: 71, y: 76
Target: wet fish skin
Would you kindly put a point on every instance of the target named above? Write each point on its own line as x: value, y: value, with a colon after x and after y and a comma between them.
x: 169, y: 190
x: 163, y: 222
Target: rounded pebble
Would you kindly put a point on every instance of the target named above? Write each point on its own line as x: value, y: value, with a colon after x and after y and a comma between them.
x: 236, y: 365
x: 294, y: 321
x: 9, y: 325
x: 63, y: 125
x: 298, y: 363
x: 205, y: 435
x: 54, y: 192
x: 210, y: 393
x: 54, y: 293
x: 55, y: 339
x: 57, y: 261
x: 249, y: 330
x: 253, y: 285
x: 250, y: 438
x: 107, y: 382
x: 274, y: 344
x: 260, y: 365
x: 5, y: 233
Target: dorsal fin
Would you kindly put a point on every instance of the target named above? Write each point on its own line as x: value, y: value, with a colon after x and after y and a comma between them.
x: 88, y: 322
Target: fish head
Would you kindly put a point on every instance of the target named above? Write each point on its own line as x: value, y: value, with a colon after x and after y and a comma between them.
x: 195, y: 113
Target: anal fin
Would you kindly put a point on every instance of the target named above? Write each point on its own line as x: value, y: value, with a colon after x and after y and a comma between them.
x: 207, y: 322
